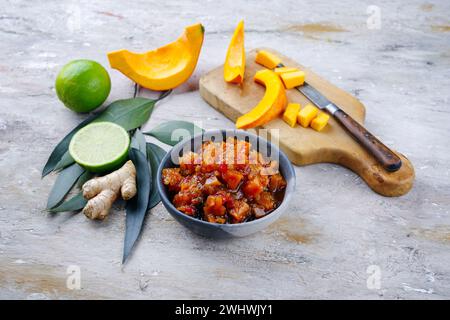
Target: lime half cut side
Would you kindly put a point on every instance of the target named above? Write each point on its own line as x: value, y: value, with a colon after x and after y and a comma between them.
x: 100, y: 146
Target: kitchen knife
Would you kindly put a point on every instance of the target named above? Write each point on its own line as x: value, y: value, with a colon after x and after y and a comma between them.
x: 388, y: 159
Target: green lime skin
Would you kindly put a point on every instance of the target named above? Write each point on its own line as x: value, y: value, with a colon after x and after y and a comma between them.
x: 83, y: 85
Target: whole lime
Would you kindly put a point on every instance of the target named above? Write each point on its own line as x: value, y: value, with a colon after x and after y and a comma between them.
x: 83, y: 85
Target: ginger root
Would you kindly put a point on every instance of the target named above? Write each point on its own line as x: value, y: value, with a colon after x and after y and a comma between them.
x: 103, y: 191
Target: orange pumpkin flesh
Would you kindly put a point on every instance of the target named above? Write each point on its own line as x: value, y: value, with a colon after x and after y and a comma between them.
x: 234, y: 66
x: 270, y: 106
x: 164, y: 68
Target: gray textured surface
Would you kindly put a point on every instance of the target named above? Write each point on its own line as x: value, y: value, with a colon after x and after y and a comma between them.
x: 334, y: 230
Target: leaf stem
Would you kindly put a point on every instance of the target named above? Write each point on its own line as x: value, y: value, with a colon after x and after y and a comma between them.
x: 136, y: 89
x: 164, y: 94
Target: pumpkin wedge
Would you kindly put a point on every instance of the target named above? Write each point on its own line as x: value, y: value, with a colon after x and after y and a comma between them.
x: 164, y: 68
x: 270, y: 106
x: 234, y: 67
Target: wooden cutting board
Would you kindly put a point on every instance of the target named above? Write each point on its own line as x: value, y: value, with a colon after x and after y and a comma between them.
x: 304, y: 145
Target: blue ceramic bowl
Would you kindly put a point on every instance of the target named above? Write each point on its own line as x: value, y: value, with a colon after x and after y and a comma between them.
x: 215, y: 230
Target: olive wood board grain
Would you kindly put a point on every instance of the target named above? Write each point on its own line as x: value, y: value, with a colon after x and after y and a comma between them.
x: 304, y: 145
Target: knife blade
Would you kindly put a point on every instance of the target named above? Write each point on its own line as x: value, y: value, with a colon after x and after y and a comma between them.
x: 385, y: 156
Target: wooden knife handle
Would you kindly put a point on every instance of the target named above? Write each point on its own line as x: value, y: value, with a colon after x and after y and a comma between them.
x: 388, y: 159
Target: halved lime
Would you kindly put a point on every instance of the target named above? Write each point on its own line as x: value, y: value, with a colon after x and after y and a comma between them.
x: 100, y: 146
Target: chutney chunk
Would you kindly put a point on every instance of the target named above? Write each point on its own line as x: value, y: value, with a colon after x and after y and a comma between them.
x: 253, y: 188
x: 189, y: 210
x: 184, y: 201
x: 232, y: 178
x: 235, y: 153
x: 189, y: 162
x: 212, y: 185
x: 214, y: 219
x: 192, y: 183
x: 190, y: 194
x: 257, y: 172
x: 276, y: 183
x: 266, y: 201
x: 187, y: 197
x: 215, y: 205
x: 172, y: 178
x: 239, y: 211
x: 210, y: 155
x: 255, y: 185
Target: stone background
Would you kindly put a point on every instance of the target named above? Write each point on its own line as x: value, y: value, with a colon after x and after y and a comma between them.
x: 336, y: 227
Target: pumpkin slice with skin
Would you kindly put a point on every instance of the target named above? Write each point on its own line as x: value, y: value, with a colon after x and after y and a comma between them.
x: 166, y: 67
x: 270, y: 106
x: 234, y: 67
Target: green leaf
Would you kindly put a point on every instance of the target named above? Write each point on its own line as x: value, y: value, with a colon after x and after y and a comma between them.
x: 138, y: 142
x: 136, y: 208
x: 66, y: 160
x: 62, y: 147
x: 128, y: 113
x: 83, y: 178
x: 172, y: 132
x: 64, y: 184
x: 73, y: 204
x: 155, y: 154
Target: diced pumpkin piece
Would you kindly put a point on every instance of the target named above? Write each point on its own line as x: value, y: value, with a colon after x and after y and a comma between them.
x: 267, y: 59
x: 239, y: 211
x: 232, y: 178
x: 190, y: 191
x: 306, y: 115
x: 293, y: 79
x: 172, y: 178
x: 277, y: 183
x: 281, y: 70
x: 214, y: 206
x: 290, y: 115
x: 319, y: 122
x: 187, y: 199
x: 253, y: 188
x: 212, y: 185
x: 266, y: 201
